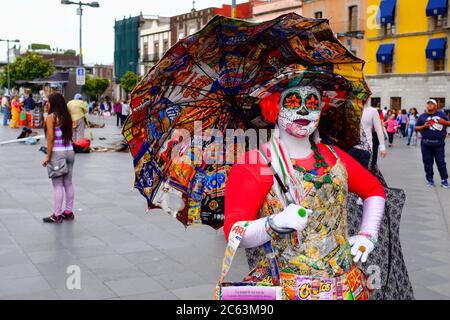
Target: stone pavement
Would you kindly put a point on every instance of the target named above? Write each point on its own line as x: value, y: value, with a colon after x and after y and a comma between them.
x: 126, y: 253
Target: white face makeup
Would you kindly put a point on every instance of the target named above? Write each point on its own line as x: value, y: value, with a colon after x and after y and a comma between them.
x: 300, y: 111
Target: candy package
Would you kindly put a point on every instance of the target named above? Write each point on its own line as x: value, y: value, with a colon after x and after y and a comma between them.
x: 303, y: 290
x: 315, y: 288
x: 326, y: 289
x: 289, y: 284
x: 342, y: 289
x: 357, y: 282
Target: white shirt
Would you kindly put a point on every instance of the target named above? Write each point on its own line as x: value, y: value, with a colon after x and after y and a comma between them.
x: 5, y: 102
x: 370, y: 122
x: 125, y: 109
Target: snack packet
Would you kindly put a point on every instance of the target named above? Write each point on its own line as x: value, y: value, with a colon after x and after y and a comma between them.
x: 289, y: 284
x: 315, y: 288
x: 342, y: 290
x: 303, y: 289
x: 326, y: 289
x: 357, y: 283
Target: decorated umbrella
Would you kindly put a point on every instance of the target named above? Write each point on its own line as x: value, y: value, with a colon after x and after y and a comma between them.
x: 214, y: 80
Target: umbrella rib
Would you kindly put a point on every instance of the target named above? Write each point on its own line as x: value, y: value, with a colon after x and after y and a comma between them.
x: 193, y: 89
x: 197, y: 64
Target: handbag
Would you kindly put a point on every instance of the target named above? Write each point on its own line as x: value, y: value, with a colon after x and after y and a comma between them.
x: 57, y: 168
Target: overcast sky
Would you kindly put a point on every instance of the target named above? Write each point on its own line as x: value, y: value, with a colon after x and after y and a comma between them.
x: 49, y: 22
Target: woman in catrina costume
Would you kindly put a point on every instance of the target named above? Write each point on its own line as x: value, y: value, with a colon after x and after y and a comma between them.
x: 292, y: 194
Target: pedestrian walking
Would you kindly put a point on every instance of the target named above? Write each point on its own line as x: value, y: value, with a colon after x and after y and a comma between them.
x: 117, y: 109
x: 91, y: 107
x: 126, y: 110
x: 371, y: 123
x: 403, y: 123
x: 391, y: 128
x: 15, y: 112
x: 412, y: 119
x: 433, y: 127
x: 107, y: 107
x: 29, y: 103
x: 78, y: 109
x: 101, y: 108
x: 60, y: 158
x: 376, y: 141
x: 6, y: 109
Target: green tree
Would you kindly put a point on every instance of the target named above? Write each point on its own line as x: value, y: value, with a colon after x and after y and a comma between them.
x: 39, y: 46
x: 95, y: 86
x: 129, y: 81
x: 70, y: 52
x: 29, y: 67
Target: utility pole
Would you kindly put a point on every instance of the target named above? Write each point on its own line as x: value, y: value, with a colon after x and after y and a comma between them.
x: 80, y: 5
x: 8, y: 61
x: 80, y: 13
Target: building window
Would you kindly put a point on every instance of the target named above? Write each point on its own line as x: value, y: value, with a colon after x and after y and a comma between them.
x: 439, y: 22
x: 439, y: 65
x: 440, y: 102
x: 165, y: 45
x: 180, y: 35
x: 386, y: 67
x: 145, y: 48
x: 388, y: 29
x: 318, y: 15
x: 396, y: 103
x: 352, y: 18
x: 192, y: 30
x: 375, y: 102
x: 156, y: 50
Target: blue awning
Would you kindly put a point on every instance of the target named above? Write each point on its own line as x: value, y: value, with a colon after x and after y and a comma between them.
x: 385, y: 52
x: 387, y: 8
x: 436, y: 48
x: 436, y: 7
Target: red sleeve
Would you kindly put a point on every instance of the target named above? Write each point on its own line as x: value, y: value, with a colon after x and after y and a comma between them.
x: 246, y: 189
x: 360, y: 181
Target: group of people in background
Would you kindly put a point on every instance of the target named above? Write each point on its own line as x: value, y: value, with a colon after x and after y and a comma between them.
x: 13, y: 106
x: 400, y: 123
x: 106, y: 108
x: 431, y: 127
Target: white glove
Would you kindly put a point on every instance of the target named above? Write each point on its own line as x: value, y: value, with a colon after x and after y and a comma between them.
x: 291, y: 219
x: 256, y: 234
x: 361, y: 247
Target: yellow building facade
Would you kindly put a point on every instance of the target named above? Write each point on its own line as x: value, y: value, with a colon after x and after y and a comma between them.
x: 406, y: 52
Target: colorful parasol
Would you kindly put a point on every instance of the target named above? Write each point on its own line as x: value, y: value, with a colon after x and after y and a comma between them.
x: 211, y: 82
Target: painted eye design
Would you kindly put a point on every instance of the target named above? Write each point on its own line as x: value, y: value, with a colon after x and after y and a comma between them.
x: 312, y: 102
x: 292, y: 101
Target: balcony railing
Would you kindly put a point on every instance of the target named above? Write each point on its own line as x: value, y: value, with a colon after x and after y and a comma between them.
x: 151, y: 57
x: 354, y: 26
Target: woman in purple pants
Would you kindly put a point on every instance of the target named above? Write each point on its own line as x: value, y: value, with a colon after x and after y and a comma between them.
x: 58, y: 129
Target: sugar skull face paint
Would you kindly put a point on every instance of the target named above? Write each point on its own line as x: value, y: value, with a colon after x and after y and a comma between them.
x: 300, y: 111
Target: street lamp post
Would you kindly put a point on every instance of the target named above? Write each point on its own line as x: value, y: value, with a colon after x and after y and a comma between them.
x: 80, y: 5
x: 9, y: 76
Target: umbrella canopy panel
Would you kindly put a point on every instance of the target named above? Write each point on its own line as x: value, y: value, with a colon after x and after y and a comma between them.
x: 205, y: 81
